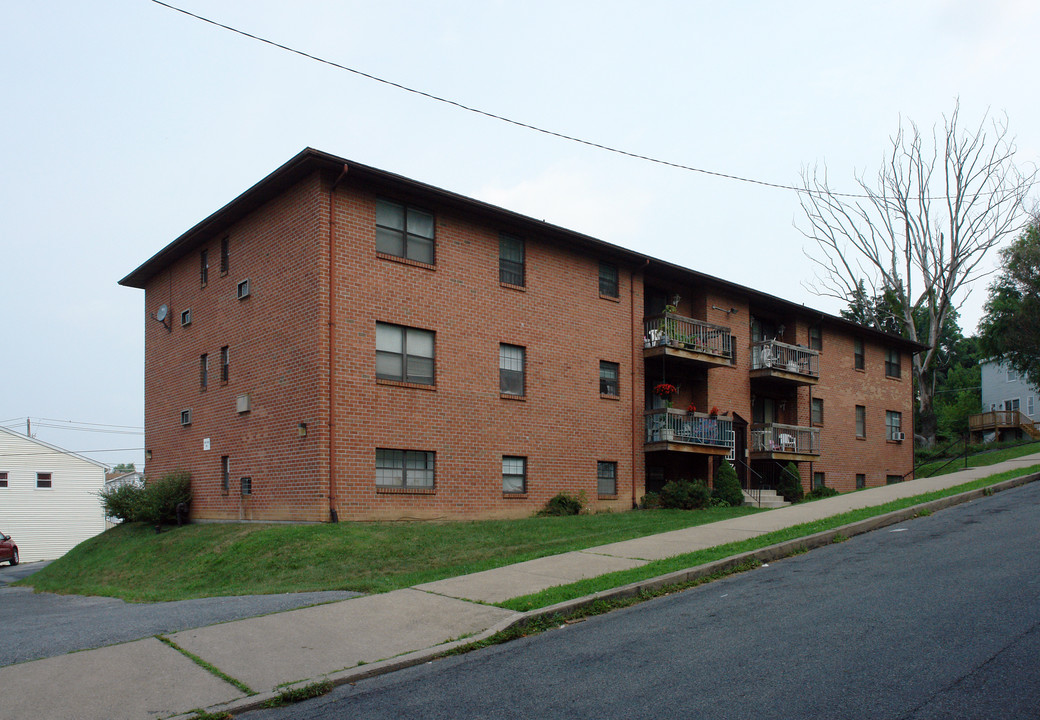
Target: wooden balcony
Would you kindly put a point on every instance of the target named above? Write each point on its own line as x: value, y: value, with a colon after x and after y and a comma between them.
x: 999, y: 421
x: 784, y: 364
x: 772, y: 441
x: 687, y: 339
x: 673, y: 429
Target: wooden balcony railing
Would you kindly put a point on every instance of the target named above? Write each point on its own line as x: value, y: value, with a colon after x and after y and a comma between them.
x: 771, y: 354
x: 670, y: 330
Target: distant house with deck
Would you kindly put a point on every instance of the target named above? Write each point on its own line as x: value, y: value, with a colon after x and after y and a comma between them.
x: 1009, y: 405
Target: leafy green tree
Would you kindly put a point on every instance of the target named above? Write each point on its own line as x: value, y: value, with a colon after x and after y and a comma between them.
x: 124, y: 467
x: 1010, y: 329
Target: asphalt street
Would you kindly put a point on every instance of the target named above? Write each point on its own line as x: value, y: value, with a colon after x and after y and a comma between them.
x: 936, y: 617
x: 38, y: 625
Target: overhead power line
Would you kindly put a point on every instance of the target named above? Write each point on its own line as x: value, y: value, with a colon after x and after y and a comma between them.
x: 502, y: 118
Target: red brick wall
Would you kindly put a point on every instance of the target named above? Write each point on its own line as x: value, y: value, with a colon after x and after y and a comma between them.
x: 275, y: 356
x: 562, y: 426
x: 842, y: 387
x: 281, y: 357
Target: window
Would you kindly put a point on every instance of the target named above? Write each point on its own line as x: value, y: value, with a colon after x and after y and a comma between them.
x: 404, y: 469
x: 203, y: 371
x: 818, y: 480
x: 893, y: 425
x: 225, y: 255
x: 243, y: 290
x: 608, y: 378
x: 511, y: 369
x: 204, y: 267
x: 225, y: 364
x: 404, y: 354
x: 608, y: 280
x: 186, y: 317
x: 1029, y: 406
x: 514, y: 474
x: 815, y: 337
x: 404, y: 232
x: 3, y: 479
x: 510, y: 260
x: 892, y: 363
x: 245, y: 485
x: 817, y: 411
x: 185, y: 417
x: 225, y: 474
x: 858, y: 354
x: 43, y: 481
x: 861, y: 421
x: 893, y: 479
x: 861, y: 481
x: 606, y: 478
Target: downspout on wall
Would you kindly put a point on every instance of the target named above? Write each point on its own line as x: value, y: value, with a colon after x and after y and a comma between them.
x: 333, y: 516
x: 637, y: 357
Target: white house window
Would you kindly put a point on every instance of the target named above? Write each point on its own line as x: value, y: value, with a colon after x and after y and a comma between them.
x: 404, y: 469
x: 3, y: 479
x: 404, y: 354
x: 1012, y: 374
x: 514, y: 474
x: 404, y: 232
x: 44, y: 481
x: 894, y: 425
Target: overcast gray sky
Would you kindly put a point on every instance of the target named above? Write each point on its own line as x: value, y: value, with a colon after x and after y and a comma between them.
x: 124, y: 123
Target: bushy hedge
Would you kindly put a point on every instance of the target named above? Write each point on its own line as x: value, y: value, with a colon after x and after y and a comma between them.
x: 790, y: 484
x: 685, y: 495
x: 154, y: 503
x: 727, y: 486
x: 821, y: 492
x: 563, y: 504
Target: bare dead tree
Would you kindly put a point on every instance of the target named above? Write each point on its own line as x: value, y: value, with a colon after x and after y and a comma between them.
x: 917, y: 236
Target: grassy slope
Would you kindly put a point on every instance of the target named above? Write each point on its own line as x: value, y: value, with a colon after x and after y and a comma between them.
x: 205, y: 560
x: 983, y: 459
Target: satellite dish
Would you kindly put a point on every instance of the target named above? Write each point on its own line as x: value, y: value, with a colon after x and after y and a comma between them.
x: 161, y: 313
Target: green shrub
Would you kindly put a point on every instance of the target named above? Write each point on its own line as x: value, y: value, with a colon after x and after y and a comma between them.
x: 650, y: 501
x: 727, y: 486
x: 685, y: 495
x: 821, y: 492
x: 790, y: 484
x: 563, y: 504
x: 122, y: 502
x: 161, y: 497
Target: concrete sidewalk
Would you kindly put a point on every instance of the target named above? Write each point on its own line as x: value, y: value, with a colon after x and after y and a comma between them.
x: 352, y: 639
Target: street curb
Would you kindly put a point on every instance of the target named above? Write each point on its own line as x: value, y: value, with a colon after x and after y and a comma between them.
x: 678, y: 577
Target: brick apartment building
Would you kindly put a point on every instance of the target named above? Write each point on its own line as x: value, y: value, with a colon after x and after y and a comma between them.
x: 340, y: 342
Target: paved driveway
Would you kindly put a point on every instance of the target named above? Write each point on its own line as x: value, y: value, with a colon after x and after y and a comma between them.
x: 39, y: 625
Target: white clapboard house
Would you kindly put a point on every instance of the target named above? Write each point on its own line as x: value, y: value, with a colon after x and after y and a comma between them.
x: 48, y: 496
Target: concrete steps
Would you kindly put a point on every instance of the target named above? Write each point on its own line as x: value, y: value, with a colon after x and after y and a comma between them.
x: 769, y: 500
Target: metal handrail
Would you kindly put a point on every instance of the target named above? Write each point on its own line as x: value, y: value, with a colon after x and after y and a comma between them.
x: 674, y: 425
x: 781, y: 356
x: 671, y: 330
x: 774, y: 437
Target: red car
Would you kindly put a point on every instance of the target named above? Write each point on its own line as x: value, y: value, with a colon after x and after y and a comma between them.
x: 8, y: 550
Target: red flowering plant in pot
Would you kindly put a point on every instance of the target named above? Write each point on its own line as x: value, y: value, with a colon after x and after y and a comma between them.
x: 691, y: 408
x: 665, y: 390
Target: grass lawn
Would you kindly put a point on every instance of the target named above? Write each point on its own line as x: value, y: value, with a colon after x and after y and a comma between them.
x: 982, y: 459
x: 210, y: 560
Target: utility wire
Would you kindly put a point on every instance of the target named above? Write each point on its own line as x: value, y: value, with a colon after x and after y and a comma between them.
x: 485, y: 113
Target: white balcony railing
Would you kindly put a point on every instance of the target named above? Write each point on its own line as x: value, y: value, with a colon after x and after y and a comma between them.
x: 773, y: 437
x: 670, y: 330
x: 781, y: 356
x: 674, y: 425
